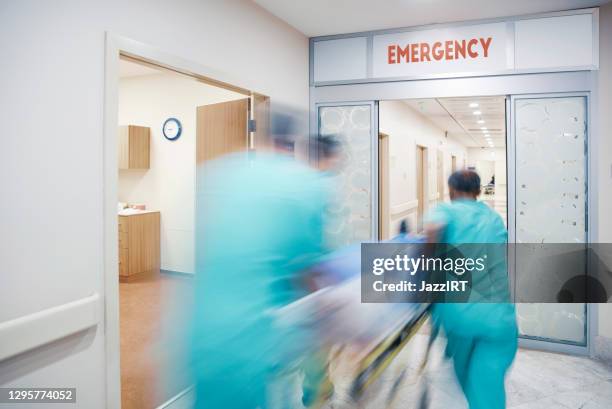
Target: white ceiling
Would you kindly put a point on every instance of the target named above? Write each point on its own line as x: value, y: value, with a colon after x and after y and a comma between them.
x: 323, y: 17
x: 464, y: 118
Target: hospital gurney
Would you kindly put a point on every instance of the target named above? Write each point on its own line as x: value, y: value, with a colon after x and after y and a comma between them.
x: 382, y: 330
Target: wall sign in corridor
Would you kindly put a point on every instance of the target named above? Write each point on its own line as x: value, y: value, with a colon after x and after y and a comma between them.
x: 546, y: 43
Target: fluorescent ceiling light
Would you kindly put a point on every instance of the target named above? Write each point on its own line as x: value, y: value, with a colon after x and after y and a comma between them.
x: 477, y: 112
x: 484, y: 128
x: 473, y: 105
x: 480, y: 121
x: 487, y: 135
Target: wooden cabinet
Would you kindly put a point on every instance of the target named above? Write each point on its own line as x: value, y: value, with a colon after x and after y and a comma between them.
x: 134, y: 147
x: 139, y: 251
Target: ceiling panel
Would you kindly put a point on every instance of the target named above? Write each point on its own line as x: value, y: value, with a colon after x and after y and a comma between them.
x: 323, y: 17
x: 483, y: 118
x: 465, y: 118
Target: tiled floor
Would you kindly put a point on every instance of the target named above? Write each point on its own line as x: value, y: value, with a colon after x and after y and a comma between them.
x: 537, y: 380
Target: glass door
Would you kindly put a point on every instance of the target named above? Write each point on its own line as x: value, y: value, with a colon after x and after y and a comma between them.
x: 549, y: 205
x: 354, y: 213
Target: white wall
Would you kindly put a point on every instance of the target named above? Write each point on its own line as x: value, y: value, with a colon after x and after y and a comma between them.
x: 51, y: 162
x: 497, y: 155
x: 406, y: 129
x: 169, y: 184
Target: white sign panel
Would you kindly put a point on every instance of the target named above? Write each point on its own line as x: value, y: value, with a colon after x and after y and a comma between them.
x: 565, y: 41
x: 342, y: 59
x: 453, y: 50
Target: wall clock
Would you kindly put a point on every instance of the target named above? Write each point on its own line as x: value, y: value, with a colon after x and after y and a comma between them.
x: 172, y: 129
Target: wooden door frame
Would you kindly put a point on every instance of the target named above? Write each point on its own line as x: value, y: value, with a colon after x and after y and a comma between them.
x: 116, y: 48
x: 424, y: 201
x: 383, y: 186
x: 440, y: 175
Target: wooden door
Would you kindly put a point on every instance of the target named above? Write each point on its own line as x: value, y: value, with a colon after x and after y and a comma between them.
x: 383, y: 186
x: 221, y: 129
x: 454, y: 164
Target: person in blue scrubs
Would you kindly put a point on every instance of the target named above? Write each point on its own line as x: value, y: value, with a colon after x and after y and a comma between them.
x: 481, y: 332
x: 259, y: 227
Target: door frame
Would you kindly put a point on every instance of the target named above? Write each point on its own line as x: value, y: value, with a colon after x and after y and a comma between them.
x: 422, y: 202
x: 117, y: 47
x: 384, y: 197
x: 571, y: 82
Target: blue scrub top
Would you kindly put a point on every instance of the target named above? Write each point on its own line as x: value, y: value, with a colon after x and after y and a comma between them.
x: 259, y: 224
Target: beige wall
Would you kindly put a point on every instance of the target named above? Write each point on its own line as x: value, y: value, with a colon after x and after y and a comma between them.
x: 51, y: 161
x: 495, y: 155
x: 169, y: 184
x: 406, y: 129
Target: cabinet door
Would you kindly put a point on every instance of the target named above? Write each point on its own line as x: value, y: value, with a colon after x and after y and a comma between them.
x: 134, y: 147
x: 139, y: 147
x: 143, y: 245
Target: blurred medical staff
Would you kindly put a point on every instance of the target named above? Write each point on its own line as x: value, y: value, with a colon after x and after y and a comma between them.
x: 260, y: 224
x: 481, y: 333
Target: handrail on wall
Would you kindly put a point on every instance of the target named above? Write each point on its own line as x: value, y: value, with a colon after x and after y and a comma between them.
x: 34, y: 330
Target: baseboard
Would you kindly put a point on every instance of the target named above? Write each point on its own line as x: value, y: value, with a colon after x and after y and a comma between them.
x: 177, y: 273
x: 602, y: 349
x: 142, y: 276
x: 411, y: 205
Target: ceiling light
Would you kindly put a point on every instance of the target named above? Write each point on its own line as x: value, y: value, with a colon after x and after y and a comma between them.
x: 477, y: 112
x: 483, y: 128
x: 487, y: 135
x: 473, y: 105
x: 480, y: 121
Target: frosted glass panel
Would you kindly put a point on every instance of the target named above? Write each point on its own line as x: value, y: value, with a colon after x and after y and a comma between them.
x: 550, y: 202
x: 350, y: 214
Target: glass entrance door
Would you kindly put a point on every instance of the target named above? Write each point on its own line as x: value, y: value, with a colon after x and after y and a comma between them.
x: 354, y: 212
x: 550, y: 202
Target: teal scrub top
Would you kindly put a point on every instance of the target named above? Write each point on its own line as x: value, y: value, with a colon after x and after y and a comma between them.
x: 476, y: 229
x: 259, y: 225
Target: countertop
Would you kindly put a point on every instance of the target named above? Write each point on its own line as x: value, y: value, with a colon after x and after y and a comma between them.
x: 133, y: 212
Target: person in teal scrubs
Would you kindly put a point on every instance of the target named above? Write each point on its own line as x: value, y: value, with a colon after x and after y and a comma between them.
x: 259, y: 226
x: 482, y: 332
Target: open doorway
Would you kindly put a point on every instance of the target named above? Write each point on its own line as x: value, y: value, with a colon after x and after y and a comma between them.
x: 429, y: 139
x: 169, y: 124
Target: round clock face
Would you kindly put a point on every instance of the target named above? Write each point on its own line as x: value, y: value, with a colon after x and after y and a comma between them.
x: 172, y: 129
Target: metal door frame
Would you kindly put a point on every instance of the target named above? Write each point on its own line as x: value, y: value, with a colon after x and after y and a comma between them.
x: 576, y: 83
